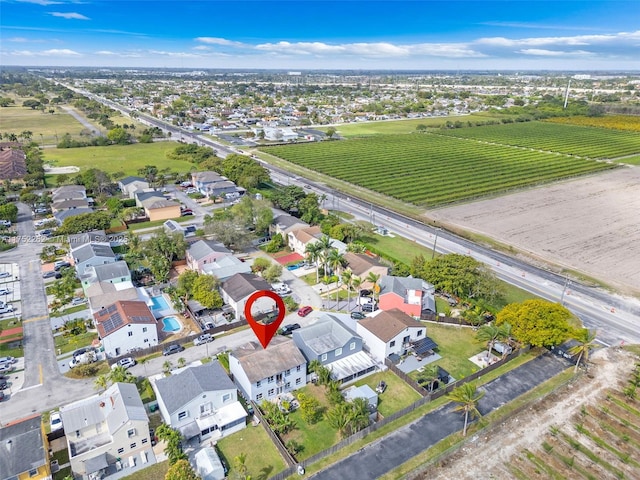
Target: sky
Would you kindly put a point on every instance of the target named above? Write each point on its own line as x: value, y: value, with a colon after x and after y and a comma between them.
x: 310, y: 34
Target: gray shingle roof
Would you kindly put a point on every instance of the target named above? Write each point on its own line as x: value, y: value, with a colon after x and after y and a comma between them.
x: 325, y: 335
x: 25, y: 450
x: 92, y: 250
x: 128, y: 180
x: 259, y: 363
x: 60, y: 216
x: 242, y: 285
x: 108, y: 271
x: 285, y: 221
x: 400, y: 285
x: 178, y: 390
x: 143, y: 196
x: 80, y: 239
x: 202, y: 248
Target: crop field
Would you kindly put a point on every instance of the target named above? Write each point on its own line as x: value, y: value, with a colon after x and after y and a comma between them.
x: 117, y: 158
x: 616, y: 122
x: 588, y: 142
x: 429, y: 170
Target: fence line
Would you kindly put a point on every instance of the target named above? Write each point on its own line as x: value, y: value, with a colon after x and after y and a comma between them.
x: 412, y: 383
x: 274, y: 436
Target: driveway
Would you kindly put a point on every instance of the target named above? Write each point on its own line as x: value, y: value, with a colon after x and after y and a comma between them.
x: 402, y: 445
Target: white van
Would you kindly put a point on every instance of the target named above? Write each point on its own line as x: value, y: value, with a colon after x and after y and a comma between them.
x: 281, y: 288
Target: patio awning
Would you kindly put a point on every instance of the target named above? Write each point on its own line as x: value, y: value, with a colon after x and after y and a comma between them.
x: 189, y: 430
x: 351, y: 365
x: 424, y: 346
x: 92, y: 465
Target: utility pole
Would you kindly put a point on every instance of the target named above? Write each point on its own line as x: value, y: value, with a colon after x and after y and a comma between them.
x: 435, y: 241
x: 564, y: 290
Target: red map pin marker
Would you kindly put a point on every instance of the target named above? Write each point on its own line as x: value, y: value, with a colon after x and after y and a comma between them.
x: 266, y: 327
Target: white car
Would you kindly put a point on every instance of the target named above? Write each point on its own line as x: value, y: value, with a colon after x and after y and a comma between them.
x: 5, y: 274
x: 78, y: 301
x: 204, y: 338
x: 126, y: 362
x: 4, y: 291
x: 55, y: 421
x: 6, y: 309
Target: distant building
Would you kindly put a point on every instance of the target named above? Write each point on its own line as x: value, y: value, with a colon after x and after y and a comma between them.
x: 12, y: 163
x: 129, y: 185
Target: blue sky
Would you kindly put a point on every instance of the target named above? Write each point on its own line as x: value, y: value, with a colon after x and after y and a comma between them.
x: 309, y: 34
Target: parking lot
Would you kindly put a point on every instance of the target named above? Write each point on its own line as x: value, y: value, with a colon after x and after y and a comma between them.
x: 9, y: 290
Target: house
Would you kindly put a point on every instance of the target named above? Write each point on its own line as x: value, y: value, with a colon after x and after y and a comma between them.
x: 334, y: 346
x: 129, y: 185
x: 24, y: 450
x: 362, y: 265
x: 237, y: 289
x: 203, y: 252
x: 262, y: 374
x: 279, y: 134
x: 214, y: 185
x: 200, y: 402
x: 69, y: 192
x: 80, y: 239
x: 13, y: 164
x: 116, y: 272
x: 91, y: 255
x: 208, y: 464
x: 171, y: 227
x: 125, y: 326
x: 298, y: 239
x: 156, y: 208
x: 226, y: 267
x: 363, y: 391
x: 73, y: 204
x: 389, y: 332
x: 103, y: 294
x: 61, y: 216
x: 108, y: 434
x: 411, y: 295
x: 285, y: 223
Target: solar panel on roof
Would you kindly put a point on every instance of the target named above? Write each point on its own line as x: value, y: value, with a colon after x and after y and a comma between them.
x: 111, y: 308
x: 423, y: 346
x: 112, y: 323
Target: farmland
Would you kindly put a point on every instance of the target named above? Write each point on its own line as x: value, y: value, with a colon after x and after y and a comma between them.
x: 588, y: 142
x: 616, y: 122
x: 429, y: 170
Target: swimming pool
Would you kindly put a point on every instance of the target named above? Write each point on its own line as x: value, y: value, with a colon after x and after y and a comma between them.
x: 159, y: 303
x: 171, y: 324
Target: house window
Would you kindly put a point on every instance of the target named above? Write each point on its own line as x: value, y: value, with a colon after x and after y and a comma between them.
x: 258, y: 383
x: 392, y: 343
x: 271, y: 378
x: 352, y: 346
x: 338, y: 352
x: 287, y: 385
x: 144, y: 440
x: 259, y: 396
x: 419, y: 334
x: 288, y: 372
x: 131, y: 432
x: 33, y: 473
x: 298, y: 368
x: 271, y: 392
x: 121, y: 450
x: 205, y: 408
x: 324, y: 357
x: 182, y: 415
x: 298, y: 381
x: 146, y: 340
x: 406, y: 339
x: 226, y: 397
x: 130, y: 333
x: 144, y: 329
x: 77, y: 433
x: 133, y: 445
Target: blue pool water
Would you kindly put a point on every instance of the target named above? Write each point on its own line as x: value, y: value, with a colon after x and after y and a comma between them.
x: 171, y: 324
x: 159, y: 303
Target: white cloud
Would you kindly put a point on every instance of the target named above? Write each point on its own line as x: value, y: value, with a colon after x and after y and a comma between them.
x: 105, y: 52
x: 62, y: 52
x: 44, y: 3
x: 577, y: 40
x: 17, y: 40
x: 553, y: 53
x: 174, y: 54
x: 219, y: 41
x: 69, y: 15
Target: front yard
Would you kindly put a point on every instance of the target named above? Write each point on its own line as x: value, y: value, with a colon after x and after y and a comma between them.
x: 262, y: 458
x: 71, y: 343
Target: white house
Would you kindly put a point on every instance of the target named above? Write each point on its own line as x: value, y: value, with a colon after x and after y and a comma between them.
x: 262, y: 374
x: 200, y: 402
x: 237, y: 289
x: 116, y: 272
x: 108, y: 434
x: 125, y: 326
x: 389, y: 332
x: 91, y: 255
x: 203, y: 252
x: 129, y: 185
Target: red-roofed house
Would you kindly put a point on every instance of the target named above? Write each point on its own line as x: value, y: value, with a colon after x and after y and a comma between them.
x: 125, y: 326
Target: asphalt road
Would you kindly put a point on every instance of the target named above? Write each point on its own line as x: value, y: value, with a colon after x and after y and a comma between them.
x: 398, y: 447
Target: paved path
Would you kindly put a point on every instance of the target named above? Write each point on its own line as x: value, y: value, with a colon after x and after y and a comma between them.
x: 400, y: 446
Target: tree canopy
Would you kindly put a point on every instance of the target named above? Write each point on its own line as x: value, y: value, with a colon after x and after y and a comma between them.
x: 537, y: 322
x: 85, y: 222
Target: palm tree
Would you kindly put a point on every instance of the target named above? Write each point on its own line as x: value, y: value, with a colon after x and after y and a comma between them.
x: 429, y: 375
x: 335, y: 260
x: 586, y: 342
x: 101, y: 382
x: 166, y: 366
x: 324, y: 245
x: 143, y: 361
x: 467, y: 398
x: 489, y: 333
x: 314, y: 254
x: 356, y: 282
x: 347, y: 279
x: 373, y: 278
x: 120, y: 374
x: 182, y: 362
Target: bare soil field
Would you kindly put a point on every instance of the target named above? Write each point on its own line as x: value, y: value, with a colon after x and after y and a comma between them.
x: 590, y: 224
x: 515, y: 442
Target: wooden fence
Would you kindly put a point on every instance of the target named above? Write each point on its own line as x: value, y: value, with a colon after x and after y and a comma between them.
x: 274, y: 436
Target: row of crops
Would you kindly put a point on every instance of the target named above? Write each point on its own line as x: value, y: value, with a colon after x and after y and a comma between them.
x: 597, y: 143
x: 431, y: 170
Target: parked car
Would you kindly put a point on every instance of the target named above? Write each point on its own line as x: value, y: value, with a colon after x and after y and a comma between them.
x: 171, y: 349
x: 55, y: 421
x: 357, y: 315
x: 186, y: 213
x: 4, y: 291
x: 2, y: 396
x: 46, y: 232
x: 365, y: 292
x: 304, y: 311
x: 382, y: 386
x: 78, y: 301
x: 3, y: 385
x: 369, y: 307
x: 5, y: 223
x: 202, y: 339
x: 126, y: 362
x: 4, y: 274
x: 288, y: 329
x: 60, y: 265
x: 10, y: 360
x: 6, y: 367
x: 50, y: 274
x: 6, y: 309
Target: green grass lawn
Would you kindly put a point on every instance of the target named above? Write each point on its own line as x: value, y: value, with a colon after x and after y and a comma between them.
x: 74, y: 309
x: 69, y: 344
x: 11, y: 349
x: 396, y: 248
x: 116, y: 158
x: 455, y: 345
x: 263, y: 459
x: 634, y: 160
x: 404, y: 126
x: 158, y: 223
x: 397, y: 396
x: 154, y: 472
x: 16, y: 119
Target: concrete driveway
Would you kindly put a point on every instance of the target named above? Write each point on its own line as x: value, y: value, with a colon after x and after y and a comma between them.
x: 400, y: 446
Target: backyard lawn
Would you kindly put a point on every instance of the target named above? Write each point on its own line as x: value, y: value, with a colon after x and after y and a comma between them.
x: 262, y: 458
x: 455, y: 345
x: 69, y: 344
x: 397, y: 396
x: 154, y: 472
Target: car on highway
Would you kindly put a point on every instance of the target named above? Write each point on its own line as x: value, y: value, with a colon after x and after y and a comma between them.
x: 288, y: 329
x: 126, y: 362
x: 304, y: 311
x: 55, y: 421
x: 202, y: 339
x: 171, y: 349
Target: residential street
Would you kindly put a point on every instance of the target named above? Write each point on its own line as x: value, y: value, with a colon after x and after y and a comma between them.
x: 382, y: 456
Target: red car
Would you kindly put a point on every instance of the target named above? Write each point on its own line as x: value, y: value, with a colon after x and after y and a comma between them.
x: 304, y: 311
